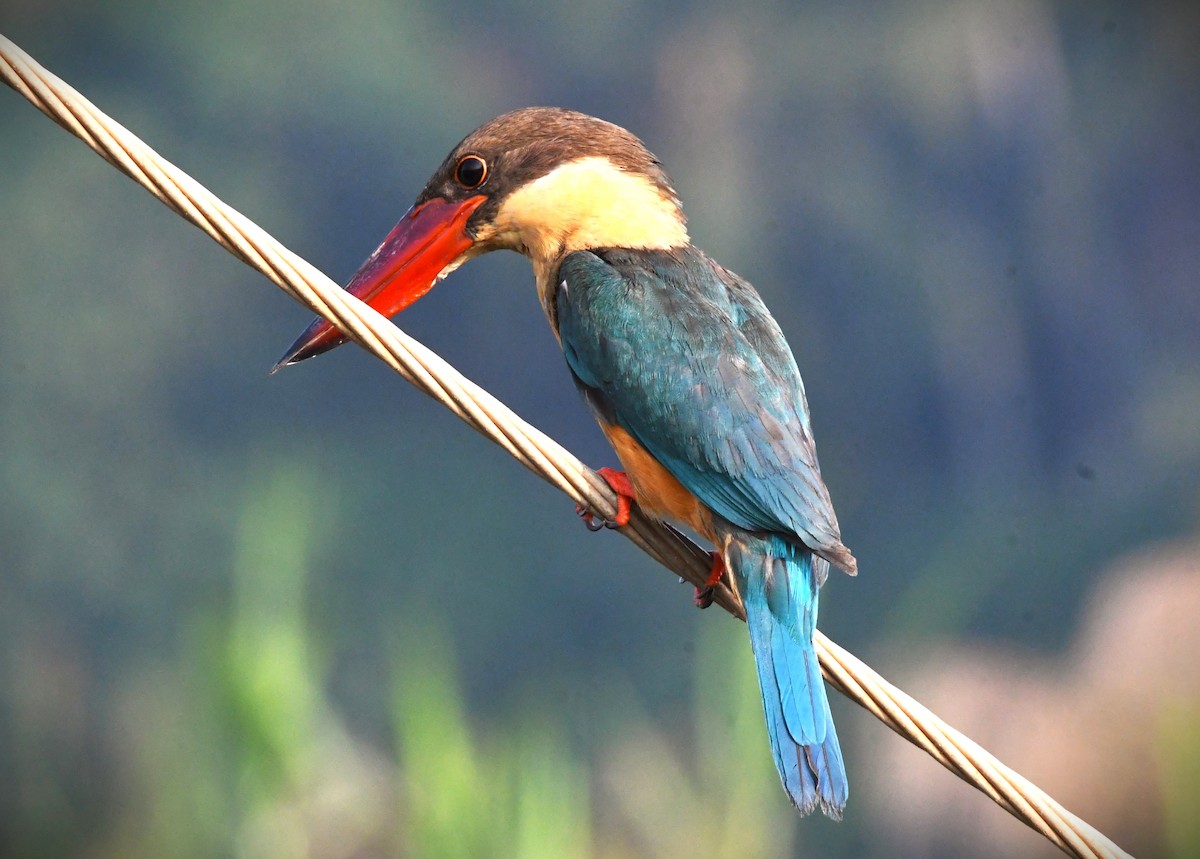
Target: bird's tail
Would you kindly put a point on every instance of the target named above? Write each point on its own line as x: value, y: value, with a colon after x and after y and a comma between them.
x: 779, y: 582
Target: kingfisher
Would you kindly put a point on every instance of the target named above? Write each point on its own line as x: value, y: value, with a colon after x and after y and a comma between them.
x: 680, y: 362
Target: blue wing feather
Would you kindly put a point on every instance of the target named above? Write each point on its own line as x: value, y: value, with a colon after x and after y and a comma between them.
x: 684, y: 356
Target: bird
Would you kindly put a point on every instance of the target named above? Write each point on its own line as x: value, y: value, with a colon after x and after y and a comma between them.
x: 680, y: 362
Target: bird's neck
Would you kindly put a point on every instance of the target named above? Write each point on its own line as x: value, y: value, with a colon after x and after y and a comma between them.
x: 585, y: 204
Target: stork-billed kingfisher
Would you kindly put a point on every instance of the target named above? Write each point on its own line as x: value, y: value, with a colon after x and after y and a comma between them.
x: 679, y: 360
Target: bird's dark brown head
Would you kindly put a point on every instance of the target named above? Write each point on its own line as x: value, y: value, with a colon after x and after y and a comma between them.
x: 513, y: 151
x: 542, y: 181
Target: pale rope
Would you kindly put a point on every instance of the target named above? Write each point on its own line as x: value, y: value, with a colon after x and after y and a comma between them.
x: 531, y: 448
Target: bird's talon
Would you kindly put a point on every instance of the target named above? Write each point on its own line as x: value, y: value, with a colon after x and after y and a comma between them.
x: 589, y: 518
x: 620, y: 484
x: 706, y: 592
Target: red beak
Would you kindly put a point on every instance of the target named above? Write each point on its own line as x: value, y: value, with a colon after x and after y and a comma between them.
x: 428, y: 239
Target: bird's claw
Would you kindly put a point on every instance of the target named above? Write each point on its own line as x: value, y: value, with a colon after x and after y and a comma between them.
x: 704, y: 596
x: 591, y: 521
x: 706, y: 593
x: 619, y: 484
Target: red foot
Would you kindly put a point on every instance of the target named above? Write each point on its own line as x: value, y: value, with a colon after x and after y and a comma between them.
x: 620, y: 484
x: 704, y: 595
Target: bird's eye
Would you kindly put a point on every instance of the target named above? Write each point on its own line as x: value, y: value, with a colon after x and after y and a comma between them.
x: 471, y: 171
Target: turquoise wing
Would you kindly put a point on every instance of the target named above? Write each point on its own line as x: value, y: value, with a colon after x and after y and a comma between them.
x: 685, y: 357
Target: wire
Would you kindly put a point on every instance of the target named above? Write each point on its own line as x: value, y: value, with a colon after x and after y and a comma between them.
x: 532, y: 448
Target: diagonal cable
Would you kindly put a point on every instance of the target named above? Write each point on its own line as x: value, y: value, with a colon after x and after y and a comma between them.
x: 532, y: 448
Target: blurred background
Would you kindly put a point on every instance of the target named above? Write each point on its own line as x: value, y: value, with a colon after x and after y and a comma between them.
x: 313, y: 615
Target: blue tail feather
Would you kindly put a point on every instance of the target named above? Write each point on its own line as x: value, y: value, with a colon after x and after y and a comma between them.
x: 779, y: 583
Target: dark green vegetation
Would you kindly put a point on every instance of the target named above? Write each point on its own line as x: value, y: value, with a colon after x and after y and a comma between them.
x: 313, y: 613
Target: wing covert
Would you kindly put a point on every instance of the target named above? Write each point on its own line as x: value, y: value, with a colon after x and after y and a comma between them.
x: 684, y: 355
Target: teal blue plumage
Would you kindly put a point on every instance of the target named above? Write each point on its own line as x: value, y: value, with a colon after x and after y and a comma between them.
x: 684, y: 356
x: 779, y: 584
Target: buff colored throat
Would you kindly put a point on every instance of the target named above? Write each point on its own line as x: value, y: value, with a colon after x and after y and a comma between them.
x: 589, y: 203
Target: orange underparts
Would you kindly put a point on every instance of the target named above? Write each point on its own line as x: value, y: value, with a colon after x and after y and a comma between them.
x: 660, y: 495
x: 657, y: 491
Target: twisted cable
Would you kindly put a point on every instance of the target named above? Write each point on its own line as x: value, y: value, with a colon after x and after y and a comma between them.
x: 532, y: 448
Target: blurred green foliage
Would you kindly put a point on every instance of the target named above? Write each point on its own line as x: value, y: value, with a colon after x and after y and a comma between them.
x: 516, y: 791
x: 979, y: 225
x: 244, y: 747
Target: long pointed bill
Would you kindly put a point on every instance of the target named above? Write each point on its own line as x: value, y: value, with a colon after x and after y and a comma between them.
x: 429, y: 239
